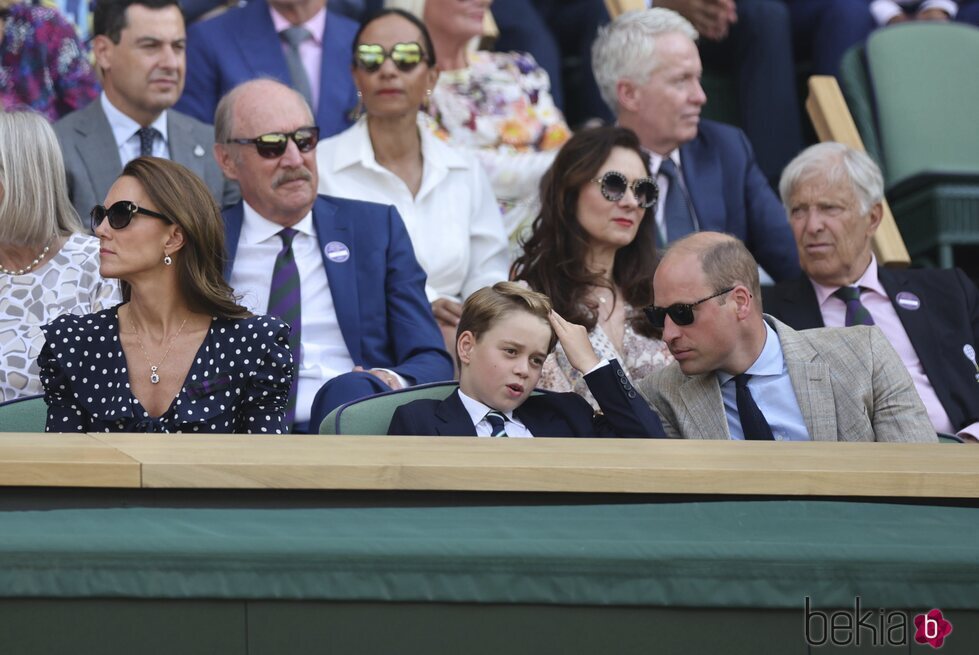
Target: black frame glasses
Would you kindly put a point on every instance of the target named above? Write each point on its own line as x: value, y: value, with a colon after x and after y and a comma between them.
x: 121, y: 214
x: 682, y: 314
x: 274, y: 144
x: 406, y: 56
x: 614, y: 184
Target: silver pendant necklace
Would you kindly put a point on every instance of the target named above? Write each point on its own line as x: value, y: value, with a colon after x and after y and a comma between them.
x: 154, y: 376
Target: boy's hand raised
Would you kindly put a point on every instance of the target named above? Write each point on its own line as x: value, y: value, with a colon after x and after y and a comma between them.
x: 574, y: 340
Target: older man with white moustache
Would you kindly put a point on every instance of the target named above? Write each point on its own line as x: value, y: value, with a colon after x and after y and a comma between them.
x: 833, y: 195
x: 340, y: 272
x: 648, y: 69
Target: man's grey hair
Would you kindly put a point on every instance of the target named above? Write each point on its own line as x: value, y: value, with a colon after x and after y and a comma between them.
x: 625, y: 49
x: 224, y: 115
x: 837, y: 164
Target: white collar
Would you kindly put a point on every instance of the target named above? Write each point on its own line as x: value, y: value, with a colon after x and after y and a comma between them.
x: 477, y: 410
x: 123, y: 127
x: 255, y: 228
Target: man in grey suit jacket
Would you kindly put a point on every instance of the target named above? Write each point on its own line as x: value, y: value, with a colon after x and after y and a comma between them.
x: 139, y: 50
x: 740, y: 374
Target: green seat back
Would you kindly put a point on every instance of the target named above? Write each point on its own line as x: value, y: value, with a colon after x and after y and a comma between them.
x: 856, y: 89
x: 372, y: 415
x: 925, y: 81
x: 23, y: 415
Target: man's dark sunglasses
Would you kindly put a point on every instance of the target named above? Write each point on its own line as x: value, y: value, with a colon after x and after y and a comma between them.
x: 121, y: 214
x: 680, y: 313
x: 405, y: 56
x: 614, y: 184
x: 274, y: 144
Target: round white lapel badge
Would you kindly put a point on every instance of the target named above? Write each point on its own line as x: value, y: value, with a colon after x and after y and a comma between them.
x: 337, y: 252
x: 909, y: 301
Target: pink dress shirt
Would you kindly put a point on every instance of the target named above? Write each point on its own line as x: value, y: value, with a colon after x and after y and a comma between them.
x: 310, y: 51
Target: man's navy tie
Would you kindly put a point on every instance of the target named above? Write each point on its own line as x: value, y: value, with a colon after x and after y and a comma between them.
x: 497, y: 421
x: 676, y: 211
x: 753, y: 422
x: 147, y: 135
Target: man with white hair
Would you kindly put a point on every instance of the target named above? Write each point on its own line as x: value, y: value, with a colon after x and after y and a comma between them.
x: 648, y: 70
x: 833, y: 195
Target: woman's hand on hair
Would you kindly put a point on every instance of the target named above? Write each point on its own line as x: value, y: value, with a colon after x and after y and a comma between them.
x: 574, y: 340
x: 447, y: 312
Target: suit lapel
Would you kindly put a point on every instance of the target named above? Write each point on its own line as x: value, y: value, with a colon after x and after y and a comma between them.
x: 798, y: 305
x: 702, y: 171
x: 454, y: 420
x: 334, y: 233
x: 811, y: 382
x: 97, y: 147
x: 703, y: 407
x: 184, y: 149
x: 233, y: 217
x: 259, y: 45
x: 541, y: 419
x: 334, y: 79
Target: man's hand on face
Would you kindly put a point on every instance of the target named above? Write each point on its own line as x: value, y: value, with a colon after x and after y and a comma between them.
x: 711, y: 18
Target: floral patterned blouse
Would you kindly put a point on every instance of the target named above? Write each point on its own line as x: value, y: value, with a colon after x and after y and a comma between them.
x: 641, y: 356
x: 501, y: 108
x: 68, y: 283
x: 42, y: 64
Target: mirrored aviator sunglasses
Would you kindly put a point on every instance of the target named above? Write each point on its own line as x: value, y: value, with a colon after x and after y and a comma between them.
x: 121, y: 214
x: 614, y: 185
x: 371, y: 56
x: 274, y: 144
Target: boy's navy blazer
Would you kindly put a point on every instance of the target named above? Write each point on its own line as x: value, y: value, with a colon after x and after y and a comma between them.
x: 625, y: 412
x: 945, y: 322
x: 378, y: 291
x: 242, y: 44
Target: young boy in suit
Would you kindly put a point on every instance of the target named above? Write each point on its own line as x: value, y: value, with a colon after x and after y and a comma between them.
x: 504, y: 335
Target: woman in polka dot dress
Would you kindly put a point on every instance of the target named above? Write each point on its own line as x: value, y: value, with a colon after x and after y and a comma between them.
x: 180, y: 354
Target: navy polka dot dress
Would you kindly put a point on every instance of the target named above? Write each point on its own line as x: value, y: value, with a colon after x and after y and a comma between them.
x: 239, y: 380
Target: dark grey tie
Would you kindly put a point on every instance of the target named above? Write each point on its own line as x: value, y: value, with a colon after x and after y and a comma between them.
x: 676, y: 210
x: 147, y: 135
x: 293, y: 36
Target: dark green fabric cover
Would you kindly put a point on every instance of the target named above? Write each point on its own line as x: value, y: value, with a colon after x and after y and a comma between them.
x: 721, y: 554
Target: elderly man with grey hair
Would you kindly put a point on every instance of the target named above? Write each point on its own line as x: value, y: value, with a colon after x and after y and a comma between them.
x: 833, y: 195
x: 648, y: 69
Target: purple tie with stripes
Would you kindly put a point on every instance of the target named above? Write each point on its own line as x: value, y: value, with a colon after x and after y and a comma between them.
x: 285, y: 303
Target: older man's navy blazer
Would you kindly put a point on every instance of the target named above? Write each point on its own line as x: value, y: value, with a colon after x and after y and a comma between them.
x: 242, y: 44
x: 625, y: 412
x: 378, y: 292
x: 945, y: 323
x: 730, y: 194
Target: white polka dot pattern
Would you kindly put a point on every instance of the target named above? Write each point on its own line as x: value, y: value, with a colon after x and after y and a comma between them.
x: 239, y: 380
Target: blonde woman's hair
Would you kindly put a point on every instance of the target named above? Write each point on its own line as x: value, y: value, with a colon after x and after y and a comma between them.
x: 35, y: 205
x: 416, y: 7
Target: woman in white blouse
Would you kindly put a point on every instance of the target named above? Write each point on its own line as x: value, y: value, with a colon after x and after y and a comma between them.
x: 48, y: 265
x: 390, y: 156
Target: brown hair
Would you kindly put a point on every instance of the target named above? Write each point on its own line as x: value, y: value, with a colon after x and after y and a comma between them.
x: 724, y: 259
x: 553, y: 259
x: 486, y: 307
x: 182, y: 197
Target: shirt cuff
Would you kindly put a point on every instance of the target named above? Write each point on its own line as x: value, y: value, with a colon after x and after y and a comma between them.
x: 404, y: 383
x: 884, y: 10
x: 950, y: 7
x: 602, y: 362
x: 970, y: 433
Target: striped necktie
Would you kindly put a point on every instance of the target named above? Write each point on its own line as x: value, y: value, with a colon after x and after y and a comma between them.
x: 285, y: 303
x: 497, y: 421
x: 856, y: 313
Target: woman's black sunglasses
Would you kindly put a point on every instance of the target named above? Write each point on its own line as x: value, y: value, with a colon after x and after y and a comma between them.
x: 614, y: 185
x: 274, y: 144
x: 121, y: 214
x: 680, y: 313
x: 405, y: 56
